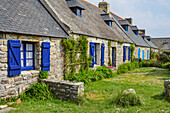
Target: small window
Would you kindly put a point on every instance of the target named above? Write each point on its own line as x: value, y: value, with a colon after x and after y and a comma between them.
x: 125, y: 27
x: 109, y: 23
x: 79, y: 12
x: 27, y: 56
x: 136, y: 32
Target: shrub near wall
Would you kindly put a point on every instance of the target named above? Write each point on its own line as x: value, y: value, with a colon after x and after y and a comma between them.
x: 91, y: 75
x: 124, y: 68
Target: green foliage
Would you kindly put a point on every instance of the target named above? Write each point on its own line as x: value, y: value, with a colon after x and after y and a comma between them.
x: 76, y: 54
x: 166, y: 65
x: 37, y: 91
x: 164, y: 58
x: 124, y: 68
x: 44, y: 74
x: 132, y: 48
x: 91, y: 75
x: 121, y: 42
x: 154, y: 55
x: 129, y: 99
x: 109, y: 52
x: 8, y: 99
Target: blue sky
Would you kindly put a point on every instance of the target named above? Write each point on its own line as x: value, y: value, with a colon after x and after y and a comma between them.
x: 152, y: 15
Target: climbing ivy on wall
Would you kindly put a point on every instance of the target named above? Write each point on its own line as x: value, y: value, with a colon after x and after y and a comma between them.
x: 109, y: 53
x: 75, y: 55
x: 132, y: 48
x: 109, y: 47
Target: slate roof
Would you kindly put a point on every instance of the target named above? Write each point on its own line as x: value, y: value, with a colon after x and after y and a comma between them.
x: 91, y: 23
x: 150, y: 43
x: 160, y: 42
x: 138, y: 40
x: 134, y: 28
x: 74, y: 3
x: 106, y: 17
x: 28, y: 17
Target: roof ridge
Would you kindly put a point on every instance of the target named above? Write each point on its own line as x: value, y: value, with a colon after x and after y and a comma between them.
x: 117, y: 15
x: 92, y: 5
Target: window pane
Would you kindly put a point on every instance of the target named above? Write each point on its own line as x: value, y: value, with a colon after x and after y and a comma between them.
x: 29, y: 55
x: 29, y: 47
x: 22, y: 56
x: 22, y: 63
x: 29, y: 63
x: 22, y: 47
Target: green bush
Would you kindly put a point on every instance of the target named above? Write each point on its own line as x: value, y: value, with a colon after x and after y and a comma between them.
x: 44, y: 74
x: 91, y: 75
x: 129, y: 99
x: 124, y: 68
x: 164, y: 58
x: 37, y: 91
x: 166, y: 65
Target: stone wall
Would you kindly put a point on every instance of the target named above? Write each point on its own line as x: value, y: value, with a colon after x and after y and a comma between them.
x: 118, y: 47
x: 12, y: 86
x: 65, y: 90
x: 167, y: 88
x: 141, y: 49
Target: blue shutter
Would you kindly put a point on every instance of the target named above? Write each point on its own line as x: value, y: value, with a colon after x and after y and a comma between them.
x: 14, y: 57
x: 124, y: 53
x: 129, y: 54
x: 148, y: 54
x: 143, y: 54
x: 102, y: 54
x: 139, y: 53
x: 45, y: 56
x: 92, y: 52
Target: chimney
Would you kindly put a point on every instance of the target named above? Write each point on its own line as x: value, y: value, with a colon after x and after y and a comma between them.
x: 130, y: 20
x: 105, y: 6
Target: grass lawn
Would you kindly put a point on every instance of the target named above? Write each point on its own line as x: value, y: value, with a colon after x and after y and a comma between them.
x: 100, y: 96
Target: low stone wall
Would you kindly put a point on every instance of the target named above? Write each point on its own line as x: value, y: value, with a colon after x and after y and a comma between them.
x: 65, y: 90
x: 167, y: 88
x: 12, y: 86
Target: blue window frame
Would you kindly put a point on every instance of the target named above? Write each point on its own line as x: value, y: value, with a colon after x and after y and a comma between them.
x: 125, y: 27
x: 109, y: 23
x: 95, y: 54
x: 79, y: 12
x: 27, y: 56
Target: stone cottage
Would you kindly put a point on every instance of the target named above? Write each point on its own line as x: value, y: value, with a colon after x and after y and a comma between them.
x: 143, y: 45
x: 84, y: 18
x: 29, y: 42
x: 163, y: 43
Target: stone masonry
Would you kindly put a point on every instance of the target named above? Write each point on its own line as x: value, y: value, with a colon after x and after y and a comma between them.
x: 118, y: 51
x: 167, y: 88
x: 142, y: 48
x: 65, y: 90
x: 12, y: 86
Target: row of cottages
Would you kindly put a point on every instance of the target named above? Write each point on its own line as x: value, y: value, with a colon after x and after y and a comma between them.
x: 31, y: 32
x: 163, y: 43
x: 143, y: 44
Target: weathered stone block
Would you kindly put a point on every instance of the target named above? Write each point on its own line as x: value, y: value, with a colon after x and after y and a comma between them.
x: 17, y: 79
x: 5, y: 42
x: 4, y: 81
x: 11, y: 92
x: 3, y: 60
x: 3, y: 73
x: 167, y: 88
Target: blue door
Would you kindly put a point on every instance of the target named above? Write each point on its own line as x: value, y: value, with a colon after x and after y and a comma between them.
x: 113, y: 56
